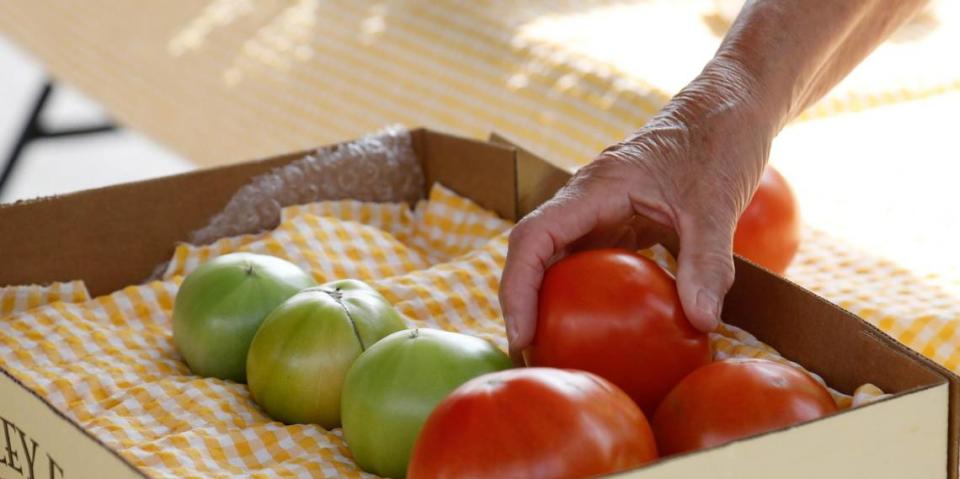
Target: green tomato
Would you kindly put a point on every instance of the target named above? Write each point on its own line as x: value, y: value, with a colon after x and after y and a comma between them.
x: 222, y: 303
x: 395, y: 385
x: 303, y: 350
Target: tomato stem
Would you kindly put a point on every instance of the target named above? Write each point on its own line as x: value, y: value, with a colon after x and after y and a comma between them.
x: 248, y: 269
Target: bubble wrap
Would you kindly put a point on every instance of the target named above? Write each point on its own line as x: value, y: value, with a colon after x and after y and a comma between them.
x: 381, y: 167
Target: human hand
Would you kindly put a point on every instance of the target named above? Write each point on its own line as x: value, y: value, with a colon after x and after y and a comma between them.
x: 691, y: 170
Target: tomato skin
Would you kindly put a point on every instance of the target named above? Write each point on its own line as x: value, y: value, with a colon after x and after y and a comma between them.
x: 736, y: 398
x: 299, y: 357
x: 616, y: 314
x: 220, y: 305
x: 393, y: 386
x: 768, y: 232
x: 533, y: 422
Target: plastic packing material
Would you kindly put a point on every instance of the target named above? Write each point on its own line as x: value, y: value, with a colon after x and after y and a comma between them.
x: 380, y: 167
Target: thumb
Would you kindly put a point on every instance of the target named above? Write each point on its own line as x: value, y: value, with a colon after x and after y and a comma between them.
x: 705, y: 268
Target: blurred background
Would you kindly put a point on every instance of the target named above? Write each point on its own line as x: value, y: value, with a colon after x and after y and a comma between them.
x: 72, y: 162
x: 175, y: 85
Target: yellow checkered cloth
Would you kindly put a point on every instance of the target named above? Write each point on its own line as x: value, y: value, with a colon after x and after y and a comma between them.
x: 110, y: 364
x: 14, y: 299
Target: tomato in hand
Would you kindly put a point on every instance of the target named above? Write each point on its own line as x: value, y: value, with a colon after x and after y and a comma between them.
x: 532, y: 422
x: 736, y: 398
x: 768, y: 232
x: 616, y: 314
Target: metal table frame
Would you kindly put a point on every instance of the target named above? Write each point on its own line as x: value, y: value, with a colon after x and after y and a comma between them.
x: 33, y: 130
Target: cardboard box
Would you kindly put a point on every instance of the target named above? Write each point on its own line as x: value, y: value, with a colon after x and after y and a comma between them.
x: 115, y: 236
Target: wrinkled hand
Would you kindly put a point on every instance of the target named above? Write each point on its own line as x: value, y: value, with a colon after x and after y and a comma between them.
x: 692, y: 169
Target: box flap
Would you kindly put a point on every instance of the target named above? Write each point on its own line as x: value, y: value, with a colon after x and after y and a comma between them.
x: 483, y: 172
x: 537, y: 179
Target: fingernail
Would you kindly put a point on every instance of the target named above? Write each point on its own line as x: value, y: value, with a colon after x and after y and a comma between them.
x: 709, y: 305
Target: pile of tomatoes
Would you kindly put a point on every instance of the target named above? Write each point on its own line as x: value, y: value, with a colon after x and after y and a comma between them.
x: 335, y: 354
x: 608, y: 356
x: 613, y: 349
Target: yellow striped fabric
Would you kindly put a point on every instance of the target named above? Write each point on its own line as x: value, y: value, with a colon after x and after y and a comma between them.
x: 565, y: 78
x: 110, y: 363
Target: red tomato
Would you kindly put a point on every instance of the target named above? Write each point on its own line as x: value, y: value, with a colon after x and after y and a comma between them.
x: 768, y: 232
x: 617, y: 314
x: 532, y: 422
x: 736, y: 398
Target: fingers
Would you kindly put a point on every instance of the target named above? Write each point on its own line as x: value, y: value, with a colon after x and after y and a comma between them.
x: 638, y: 232
x: 534, y: 243
x: 705, y: 268
x: 538, y: 240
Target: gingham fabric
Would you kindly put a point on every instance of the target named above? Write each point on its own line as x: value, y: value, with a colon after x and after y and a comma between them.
x: 110, y: 363
x: 14, y: 299
x: 922, y: 312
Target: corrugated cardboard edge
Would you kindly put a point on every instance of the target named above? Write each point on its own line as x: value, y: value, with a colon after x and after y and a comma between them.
x: 874, y: 334
x: 480, y: 168
x: 537, y: 181
x: 835, y: 448
x: 63, y: 417
x: 48, y: 226
x: 190, y: 199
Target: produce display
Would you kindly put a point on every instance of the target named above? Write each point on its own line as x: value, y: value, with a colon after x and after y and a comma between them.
x: 301, y: 354
x: 768, y: 232
x: 220, y: 306
x: 393, y: 386
x: 533, y: 422
x: 736, y: 398
x: 618, y: 379
x: 612, y: 348
x: 616, y: 313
